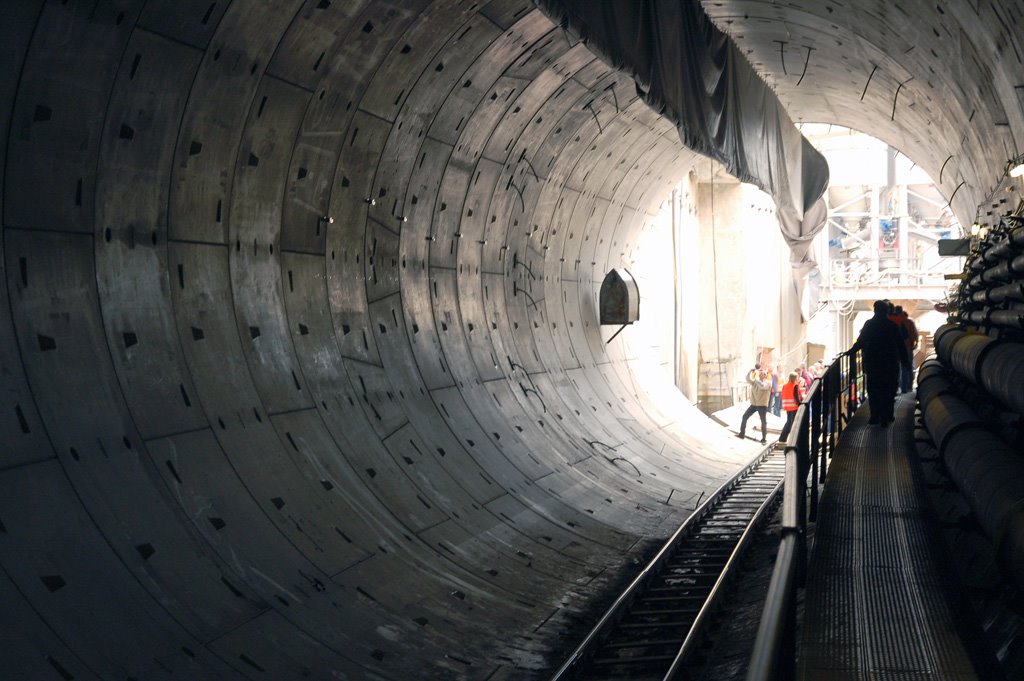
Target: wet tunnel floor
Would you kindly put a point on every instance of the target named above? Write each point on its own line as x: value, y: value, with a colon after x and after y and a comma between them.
x: 879, y: 602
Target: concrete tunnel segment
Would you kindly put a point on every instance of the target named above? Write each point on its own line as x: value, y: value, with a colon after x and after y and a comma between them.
x: 303, y: 376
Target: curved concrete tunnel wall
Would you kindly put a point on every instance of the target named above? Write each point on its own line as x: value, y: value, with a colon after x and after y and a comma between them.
x: 243, y: 441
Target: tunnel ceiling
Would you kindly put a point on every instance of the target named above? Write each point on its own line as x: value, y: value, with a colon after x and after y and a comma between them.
x: 940, y: 81
x: 302, y: 372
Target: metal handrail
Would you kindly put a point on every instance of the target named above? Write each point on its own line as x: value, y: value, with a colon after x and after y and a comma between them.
x: 773, y: 645
x: 708, y: 609
x: 819, y: 421
x: 580, y: 654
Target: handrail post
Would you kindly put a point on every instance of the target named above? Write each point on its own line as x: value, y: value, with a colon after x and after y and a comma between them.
x: 860, y: 379
x: 838, y: 397
x: 787, y: 665
x: 815, y: 445
x: 848, y: 380
x: 855, y: 391
x: 785, y: 668
x: 828, y: 385
x: 774, y: 653
x: 801, y: 488
x: 838, y: 406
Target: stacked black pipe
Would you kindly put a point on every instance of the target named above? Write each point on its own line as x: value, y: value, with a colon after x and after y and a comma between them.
x: 992, y: 296
x: 972, y: 395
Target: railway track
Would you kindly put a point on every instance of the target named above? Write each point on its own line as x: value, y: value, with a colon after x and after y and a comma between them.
x: 658, y: 622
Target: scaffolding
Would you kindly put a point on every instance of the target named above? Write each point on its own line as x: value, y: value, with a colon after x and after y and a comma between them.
x: 882, y: 243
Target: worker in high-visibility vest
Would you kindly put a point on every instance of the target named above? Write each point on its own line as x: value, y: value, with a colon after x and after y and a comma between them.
x: 791, y: 396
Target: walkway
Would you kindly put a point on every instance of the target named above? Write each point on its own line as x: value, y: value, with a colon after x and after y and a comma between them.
x: 877, y: 600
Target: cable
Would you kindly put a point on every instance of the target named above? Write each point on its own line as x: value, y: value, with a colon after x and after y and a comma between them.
x: 714, y: 264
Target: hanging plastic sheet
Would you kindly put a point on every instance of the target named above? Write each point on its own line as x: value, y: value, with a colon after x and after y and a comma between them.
x: 693, y: 74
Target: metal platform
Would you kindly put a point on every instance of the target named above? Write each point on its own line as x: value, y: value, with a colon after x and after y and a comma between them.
x: 878, y: 601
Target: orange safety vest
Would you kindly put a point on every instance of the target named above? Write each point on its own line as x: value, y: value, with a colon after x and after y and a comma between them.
x: 789, y: 401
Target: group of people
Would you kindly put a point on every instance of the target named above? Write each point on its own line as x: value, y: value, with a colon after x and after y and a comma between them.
x: 908, y: 333
x: 769, y: 392
x: 887, y: 343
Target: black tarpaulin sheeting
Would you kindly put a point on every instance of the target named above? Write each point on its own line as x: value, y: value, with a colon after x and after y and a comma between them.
x: 694, y: 75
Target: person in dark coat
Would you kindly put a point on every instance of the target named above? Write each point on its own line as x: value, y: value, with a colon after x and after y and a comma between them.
x: 883, y: 354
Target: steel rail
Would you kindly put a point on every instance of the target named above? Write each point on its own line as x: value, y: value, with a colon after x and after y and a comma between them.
x: 708, y: 609
x: 604, y: 625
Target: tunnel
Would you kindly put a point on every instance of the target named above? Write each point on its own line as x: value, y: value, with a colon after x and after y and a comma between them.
x: 303, y: 370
